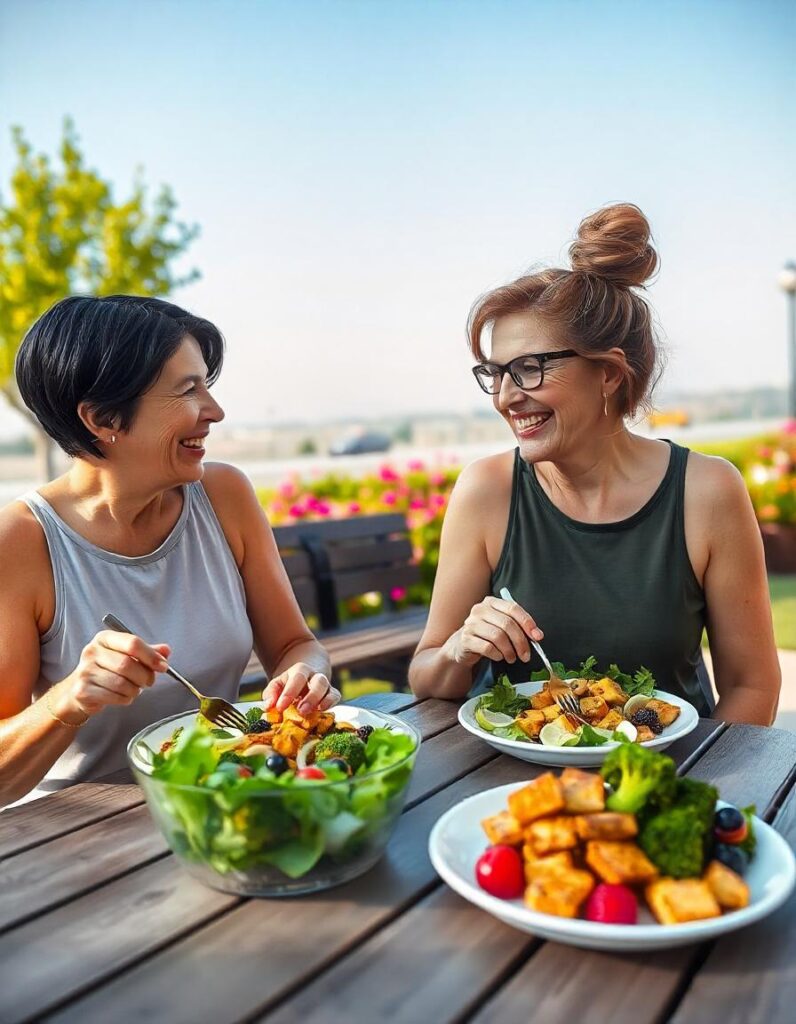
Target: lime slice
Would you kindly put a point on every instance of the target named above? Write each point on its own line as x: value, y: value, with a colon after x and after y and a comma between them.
x: 554, y: 735
x: 491, y: 720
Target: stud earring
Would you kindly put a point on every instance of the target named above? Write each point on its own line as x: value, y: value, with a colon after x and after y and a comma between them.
x: 113, y: 437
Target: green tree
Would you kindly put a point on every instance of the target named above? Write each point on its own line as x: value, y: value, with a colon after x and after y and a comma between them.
x: 63, y: 233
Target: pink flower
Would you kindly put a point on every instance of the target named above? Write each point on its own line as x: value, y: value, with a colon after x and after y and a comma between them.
x: 437, y: 479
x: 323, y: 508
x: 287, y: 489
x: 389, y: 497
x: 790, y: 427
x: 416, y: 465
x: 397, y: 593
x: 296, y: 511
x: 354, y: 508
x: 438, y: 500
x: 388, y: 474
x: 417, y: 503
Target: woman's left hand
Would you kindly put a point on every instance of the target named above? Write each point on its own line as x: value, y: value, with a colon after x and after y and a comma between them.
x: 303, y: 686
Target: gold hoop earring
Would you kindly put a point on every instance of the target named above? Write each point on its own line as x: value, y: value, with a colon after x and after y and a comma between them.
x: 605, y: 404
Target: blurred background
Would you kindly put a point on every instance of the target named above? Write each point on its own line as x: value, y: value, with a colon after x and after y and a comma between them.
x: 333, y: 183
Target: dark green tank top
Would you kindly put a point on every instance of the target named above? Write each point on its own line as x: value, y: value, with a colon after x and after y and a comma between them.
x: 624, y: 592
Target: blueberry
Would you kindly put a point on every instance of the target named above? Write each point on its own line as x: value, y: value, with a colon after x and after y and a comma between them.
x: 276, y: 763
x: 728, y: 819
x: 364, y: 732
x: 732, y: 857
x: 338, y: 762
x: 258, y: 727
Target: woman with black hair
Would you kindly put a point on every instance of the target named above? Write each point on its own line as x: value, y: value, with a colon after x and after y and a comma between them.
x: 140, y: 527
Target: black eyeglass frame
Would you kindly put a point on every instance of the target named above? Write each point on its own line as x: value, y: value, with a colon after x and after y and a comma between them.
x: 541, y: 357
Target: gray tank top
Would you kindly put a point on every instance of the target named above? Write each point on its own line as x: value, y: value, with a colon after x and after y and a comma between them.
x: 188, y: 594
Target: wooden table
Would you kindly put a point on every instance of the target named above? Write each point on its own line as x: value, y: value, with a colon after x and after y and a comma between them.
x: 99, y: 923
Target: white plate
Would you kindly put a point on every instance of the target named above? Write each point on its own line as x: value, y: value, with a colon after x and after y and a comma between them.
x: 582, y: 757
x: 457, y: 841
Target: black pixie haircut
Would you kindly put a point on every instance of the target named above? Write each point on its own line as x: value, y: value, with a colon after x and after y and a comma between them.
x: 106, y: 352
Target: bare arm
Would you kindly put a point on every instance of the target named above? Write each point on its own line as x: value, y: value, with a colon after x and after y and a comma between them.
x: 464, y: 625
x: 740, y: 630
x: 296, y: 663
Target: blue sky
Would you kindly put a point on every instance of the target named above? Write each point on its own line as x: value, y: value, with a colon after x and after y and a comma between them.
x: 362, y: 170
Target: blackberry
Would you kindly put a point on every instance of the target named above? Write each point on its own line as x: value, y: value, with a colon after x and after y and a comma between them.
x: 364, y: 732
x: 257, y: 727
x: 648, y: 717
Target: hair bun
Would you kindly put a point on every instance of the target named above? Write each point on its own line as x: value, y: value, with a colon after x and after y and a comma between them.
x: 614, y: 243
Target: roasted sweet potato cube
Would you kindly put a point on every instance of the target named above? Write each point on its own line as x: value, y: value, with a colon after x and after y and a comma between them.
x: 324, y: 723
x: 584, y: 792
x: 677, y: 900
x: 644, y: 734
x: 549, y: 835
x: 308, y: 722
x: 273, y: 715
x: 606, y: 825
x: 560, y: 891
x: 539, y: 799
x: 289, y: 738
x: 542, y: 699
x: 728, y: 888
x: 503, y: 828
x: 531, y: 722
x: 612, y: 719
x: 535, y: 866
x: 552, y: 712
x: 619, y: 863
x: 593, y: 708
x: 610, y: 691
x: 667, y: 713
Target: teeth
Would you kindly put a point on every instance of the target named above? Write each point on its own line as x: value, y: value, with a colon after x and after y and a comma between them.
x: 193, y: 442
x: 526, y: 422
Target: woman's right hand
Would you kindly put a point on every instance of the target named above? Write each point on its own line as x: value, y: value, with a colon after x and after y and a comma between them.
x: 495, y: 629
x: 114, y: 668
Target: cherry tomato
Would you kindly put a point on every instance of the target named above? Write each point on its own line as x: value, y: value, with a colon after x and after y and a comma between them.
x: 499, y: 872
x: 244, y: 771
x: 310, y: 773
x: 732, y: 836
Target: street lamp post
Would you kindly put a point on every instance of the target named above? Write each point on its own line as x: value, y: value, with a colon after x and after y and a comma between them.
x: 787, y: 282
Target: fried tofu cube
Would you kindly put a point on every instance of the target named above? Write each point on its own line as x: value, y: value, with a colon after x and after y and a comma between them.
x: 535, y: 866
x: 677, y: 900
x: 729, y: 890
x: 612, y: 719
x: 549, y: 835
x: 308, y: 722
x: 324, y: 724
x: 531, y: 722
x: 273, y: 715
x: 539, y: 799
x: 607, y: 825
x: 289, y: 738
x: 542, y: 699
x: 619, y: 863
x: 667, y: 713
x: 610, y: 691
x: 552, y: 712
x: 644, y: 734
x: 559, y: 891
x: 503, y: 828
x: 584, y: 792
x: 593, y: 708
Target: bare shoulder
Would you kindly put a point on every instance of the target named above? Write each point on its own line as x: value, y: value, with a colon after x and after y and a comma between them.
x: 713, y: 483
x: 236, y: 505
x: 24, y: 555
x: 226, y: 482
x: 485, y: 483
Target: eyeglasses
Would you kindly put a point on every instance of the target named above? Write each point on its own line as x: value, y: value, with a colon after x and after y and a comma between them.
x: 527, y: 372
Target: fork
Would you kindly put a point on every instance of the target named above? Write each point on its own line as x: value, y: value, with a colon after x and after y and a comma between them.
x: 559, y: 690
x: 214, y: 709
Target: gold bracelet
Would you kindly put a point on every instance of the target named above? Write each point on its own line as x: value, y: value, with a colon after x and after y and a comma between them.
x: 69, y: 725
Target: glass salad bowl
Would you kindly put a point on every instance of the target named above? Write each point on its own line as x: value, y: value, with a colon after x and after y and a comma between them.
x: 242, y: 828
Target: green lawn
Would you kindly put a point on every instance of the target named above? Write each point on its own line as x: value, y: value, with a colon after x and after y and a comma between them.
x: 783, y: 605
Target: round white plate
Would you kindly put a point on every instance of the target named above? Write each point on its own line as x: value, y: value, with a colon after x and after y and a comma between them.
x: 580, y: 757
x: 457, y: 841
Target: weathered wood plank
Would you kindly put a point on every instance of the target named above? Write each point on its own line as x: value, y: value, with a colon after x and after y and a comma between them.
x: 62, y: 869
x: 431, y: 717
x: 750, y: 975
x: 261, y: 949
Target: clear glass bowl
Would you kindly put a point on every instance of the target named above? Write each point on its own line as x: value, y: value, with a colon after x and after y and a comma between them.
x: 250, y: 849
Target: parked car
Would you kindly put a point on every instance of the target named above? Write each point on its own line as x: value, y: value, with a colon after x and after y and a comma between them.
x: 361, y: 443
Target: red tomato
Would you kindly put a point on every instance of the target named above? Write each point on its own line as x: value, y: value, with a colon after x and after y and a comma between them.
x: 244, y: 771
x: 612, y: 904
x: 499, y: 872
x: 310, y: 773
x: 732, y: 836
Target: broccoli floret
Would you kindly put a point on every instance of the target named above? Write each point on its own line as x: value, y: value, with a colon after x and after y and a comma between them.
x: 342, y: 744
x: 253, y: 715
x: 230, y: 755
x: 699, y: 795
x: 675, y: 841
x: 638, y: 778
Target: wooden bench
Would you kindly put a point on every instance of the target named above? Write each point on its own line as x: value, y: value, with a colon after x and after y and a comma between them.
x: 330, y: 561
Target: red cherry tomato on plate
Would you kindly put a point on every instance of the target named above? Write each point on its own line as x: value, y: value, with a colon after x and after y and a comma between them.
x: 499, y: 872
x: 310, y: 773
x: 612, y: 904
x: 732, y: 836
x: 244, y: 771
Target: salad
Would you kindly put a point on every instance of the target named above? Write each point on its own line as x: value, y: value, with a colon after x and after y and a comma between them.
x: 287, y: 794
x: 569, y: 849
x: 612, y: 704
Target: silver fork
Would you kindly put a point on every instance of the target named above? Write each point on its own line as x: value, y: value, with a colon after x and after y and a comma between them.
x: 559, y: 690
x: 214, y: 709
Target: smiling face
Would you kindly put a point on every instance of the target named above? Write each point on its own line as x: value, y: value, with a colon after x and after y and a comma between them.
x: 167, y: 437
x: 562, y: 416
